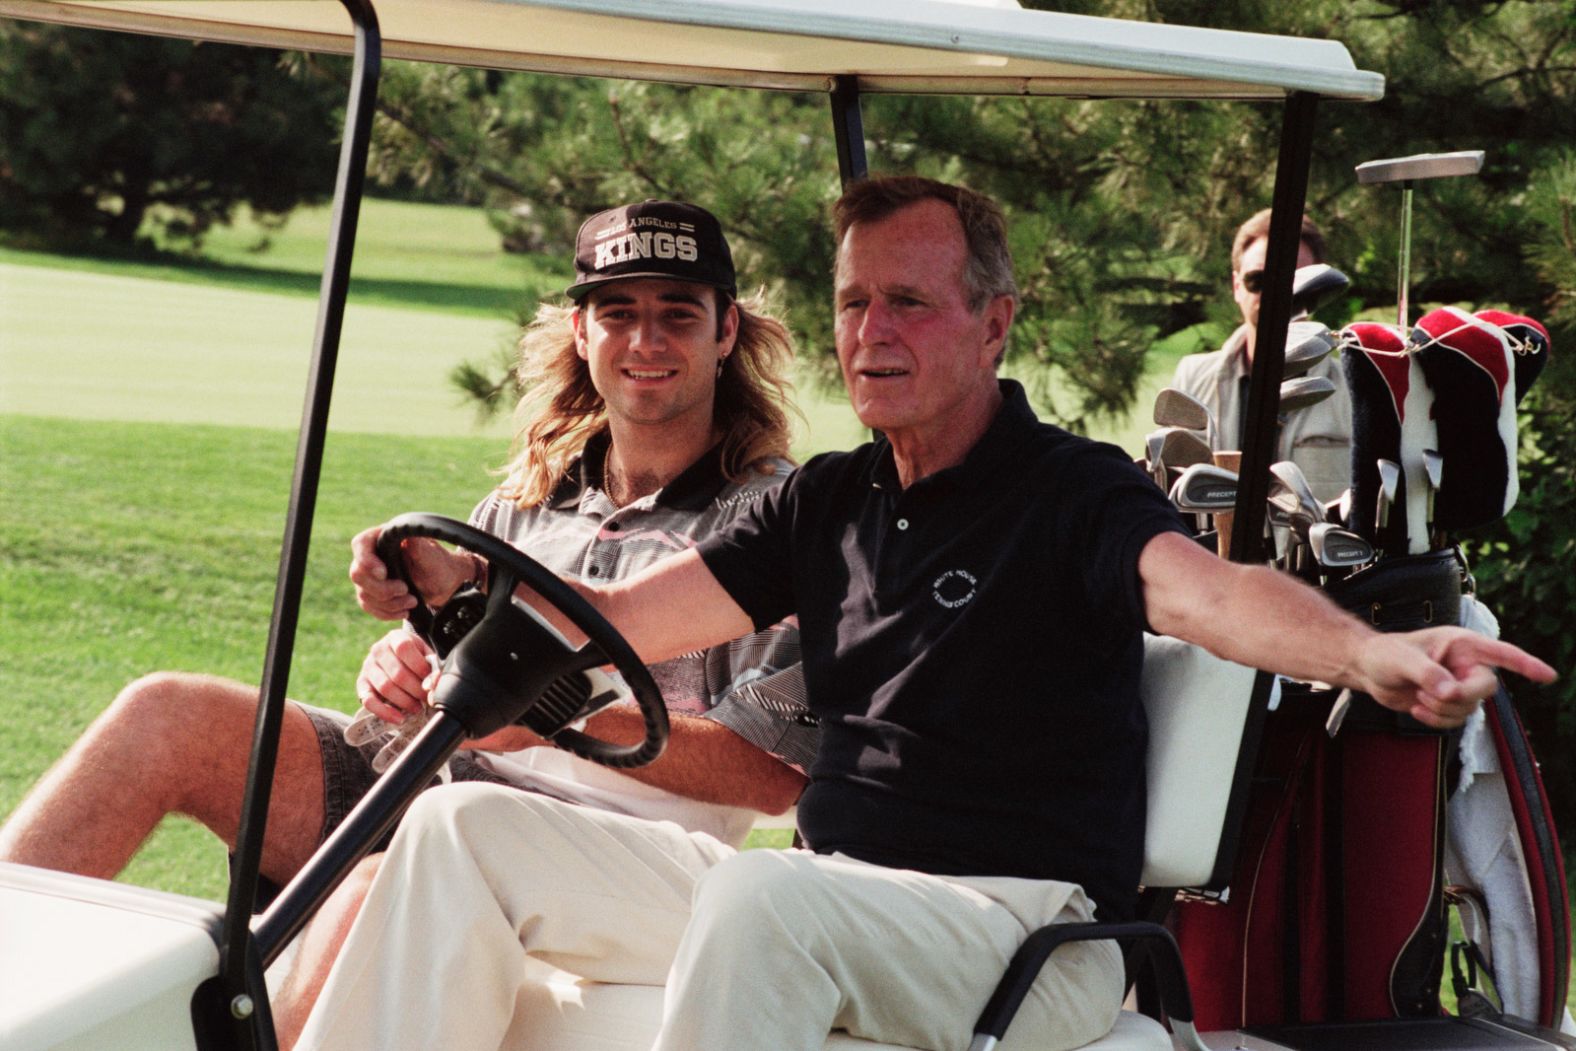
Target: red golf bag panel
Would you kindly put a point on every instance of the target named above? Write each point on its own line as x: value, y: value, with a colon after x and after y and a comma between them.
x: 1336, y: 906
x: 1389, y: 903
x: 1335, y: 910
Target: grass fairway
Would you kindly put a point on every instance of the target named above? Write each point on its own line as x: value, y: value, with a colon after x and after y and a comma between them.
x: 187, y: 353
x: 130, y: 547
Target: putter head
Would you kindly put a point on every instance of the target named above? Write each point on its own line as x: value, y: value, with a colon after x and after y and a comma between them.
x: 1307, y: 344
x: 1204, y: 488
x: 1174, y: 408
x: 1184, y: 448
x: 1420, y: 166
x: 1334, y: 547
x: 1303, y: 391
x: 1314, y: 286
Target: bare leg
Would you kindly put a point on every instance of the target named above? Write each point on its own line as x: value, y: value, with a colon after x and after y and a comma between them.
x: 320, y: 944
x: 170, y: 743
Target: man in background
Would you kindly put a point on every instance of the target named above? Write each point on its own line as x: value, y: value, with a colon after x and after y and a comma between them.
x: 1318, y: 438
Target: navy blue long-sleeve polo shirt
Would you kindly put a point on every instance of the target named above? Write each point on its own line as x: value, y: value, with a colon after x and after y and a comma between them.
x: 972, y: 647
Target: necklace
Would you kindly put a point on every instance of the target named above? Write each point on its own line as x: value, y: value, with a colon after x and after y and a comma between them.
x: 610, y: 482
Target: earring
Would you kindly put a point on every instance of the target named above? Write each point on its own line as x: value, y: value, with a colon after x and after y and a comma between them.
x: 720, y: 363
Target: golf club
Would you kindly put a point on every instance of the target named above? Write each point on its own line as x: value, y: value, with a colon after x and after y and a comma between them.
x: 1182, y: 448
x: 1339, y: 510
x: 1291, y: 504
x: 1314, y: 286
x: 1469, y: 367
x: 1174, y: 408
x: 1530, y: 342
x: 1389, y: 489
x: 1336, y: 548
x: 1303, y: 391
x: 1434, y: 471
x: 1290, y: 475
x: 1307, y: 344
x: 1204, y: 488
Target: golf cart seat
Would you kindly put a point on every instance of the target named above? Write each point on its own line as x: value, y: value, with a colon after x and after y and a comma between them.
x: 1198, y: 709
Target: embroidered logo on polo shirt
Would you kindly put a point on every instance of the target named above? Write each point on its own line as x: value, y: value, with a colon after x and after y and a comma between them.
x: 954, y: 588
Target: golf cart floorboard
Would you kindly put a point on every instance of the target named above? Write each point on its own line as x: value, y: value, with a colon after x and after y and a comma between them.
x: 87, y: 964
x: 1424, y: 1034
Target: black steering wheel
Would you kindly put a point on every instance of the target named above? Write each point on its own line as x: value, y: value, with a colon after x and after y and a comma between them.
x: 512, y: 666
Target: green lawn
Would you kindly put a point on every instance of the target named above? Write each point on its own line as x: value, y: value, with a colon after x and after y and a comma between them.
x: 422, y: 257
x: 226, y: 339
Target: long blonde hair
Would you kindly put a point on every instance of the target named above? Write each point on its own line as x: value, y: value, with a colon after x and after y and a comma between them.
x: 561, y: 409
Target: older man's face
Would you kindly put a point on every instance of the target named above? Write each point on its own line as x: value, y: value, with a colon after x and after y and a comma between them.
x: 911, y: 349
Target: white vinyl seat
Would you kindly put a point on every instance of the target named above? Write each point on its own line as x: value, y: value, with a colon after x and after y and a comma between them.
x: 558, y: 1011
x: 1197, y: 707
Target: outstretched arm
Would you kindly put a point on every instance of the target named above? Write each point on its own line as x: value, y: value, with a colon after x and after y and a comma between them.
x: 1256, y: 616
x: 676, y: 606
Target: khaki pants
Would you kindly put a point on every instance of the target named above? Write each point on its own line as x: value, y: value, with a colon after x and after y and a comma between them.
x: 783, y: 945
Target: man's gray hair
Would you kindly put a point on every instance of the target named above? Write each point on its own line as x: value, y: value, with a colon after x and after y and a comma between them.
x: 987, y: 272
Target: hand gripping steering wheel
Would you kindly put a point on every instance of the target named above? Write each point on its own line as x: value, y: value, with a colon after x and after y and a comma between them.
x: 515, y: 667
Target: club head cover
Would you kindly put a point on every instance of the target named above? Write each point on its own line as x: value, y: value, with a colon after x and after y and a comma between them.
x: 1529, y: 343
x: 1378, y: 382
x: 1467, y: 362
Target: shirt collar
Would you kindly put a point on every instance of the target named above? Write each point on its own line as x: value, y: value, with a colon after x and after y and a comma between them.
x: 1236, y: 351
x: 1013, y: 423
x: 696, y: 487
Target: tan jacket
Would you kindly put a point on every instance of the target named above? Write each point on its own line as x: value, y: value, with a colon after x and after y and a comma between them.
x: 1318, y: 439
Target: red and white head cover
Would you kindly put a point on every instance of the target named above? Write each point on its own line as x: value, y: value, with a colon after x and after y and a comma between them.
x: 1390, y: 421
x: 1529, y: 342
x: 1467, y: 362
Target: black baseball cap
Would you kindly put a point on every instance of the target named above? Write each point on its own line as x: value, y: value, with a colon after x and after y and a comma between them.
x: 652, y: 239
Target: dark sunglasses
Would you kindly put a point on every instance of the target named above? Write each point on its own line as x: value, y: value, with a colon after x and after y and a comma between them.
x: 1253, y: 282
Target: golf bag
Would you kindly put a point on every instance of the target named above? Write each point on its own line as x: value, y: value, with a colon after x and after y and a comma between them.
x: 1337, y: 906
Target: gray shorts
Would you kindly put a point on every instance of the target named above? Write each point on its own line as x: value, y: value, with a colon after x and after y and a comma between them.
x: 348, y: 773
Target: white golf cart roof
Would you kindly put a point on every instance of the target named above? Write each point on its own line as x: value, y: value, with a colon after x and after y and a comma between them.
x: 892, y: 46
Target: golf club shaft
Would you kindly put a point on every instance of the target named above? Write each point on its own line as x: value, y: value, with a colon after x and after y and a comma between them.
x: 1404, y: 270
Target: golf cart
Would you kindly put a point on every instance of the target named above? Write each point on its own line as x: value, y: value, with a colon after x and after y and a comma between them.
x: 104, y: 965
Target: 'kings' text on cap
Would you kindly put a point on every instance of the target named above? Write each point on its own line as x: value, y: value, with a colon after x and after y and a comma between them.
x: 646, y: 245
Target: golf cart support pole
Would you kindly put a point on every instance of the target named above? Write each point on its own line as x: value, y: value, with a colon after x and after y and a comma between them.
x: 1285, y: 238
x: 237, y: 954
x: 848, y: 128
